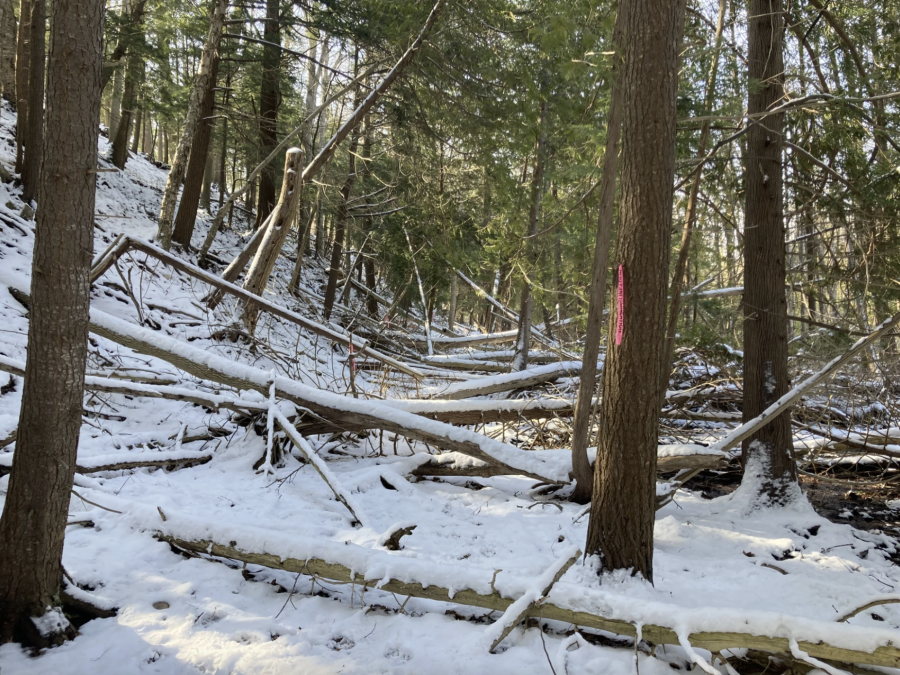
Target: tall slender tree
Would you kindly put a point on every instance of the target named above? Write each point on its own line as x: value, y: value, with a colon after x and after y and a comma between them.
x: 33, y: 524
x: 624, y: 498
x: 8, y: 27
x: 269, y: 100
x: 767, y: 455
x: 33, y: 139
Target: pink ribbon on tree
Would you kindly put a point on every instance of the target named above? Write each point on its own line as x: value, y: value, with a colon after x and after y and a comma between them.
x: 620, y: 312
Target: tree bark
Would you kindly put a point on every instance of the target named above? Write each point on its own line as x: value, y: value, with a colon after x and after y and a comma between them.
x: 523, y: 340
x: 269, y: 99
x: 115, y: 103
x: 690, y: 216
x: 8, y: 29
x: 624, y: 500
x: 191, y: 121
x: 274, y: 233
x: 581, y: 425
x: 767, y: 455
x: 139, y: 119
x: 197, y: 165
x: 454, y: 293
x: 134, y: 65
x: 33, y: 524
x: 34, y: 129
x: 23, y: 52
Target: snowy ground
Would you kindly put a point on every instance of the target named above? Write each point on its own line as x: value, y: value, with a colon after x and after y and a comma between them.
x: 714, y: 558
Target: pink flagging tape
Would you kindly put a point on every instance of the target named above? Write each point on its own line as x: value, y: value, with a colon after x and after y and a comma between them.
x: 620, y: 311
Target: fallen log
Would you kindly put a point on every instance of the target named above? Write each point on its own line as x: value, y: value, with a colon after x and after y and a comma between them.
x: 456, y: 465
x: 126, y: 388
x: 338, y: 410
x: 361, y: 347
x: 125, y: 461
x: 454, y: 342
x: 782, y: 404
x: 709, y: 629
x: 506, y: 382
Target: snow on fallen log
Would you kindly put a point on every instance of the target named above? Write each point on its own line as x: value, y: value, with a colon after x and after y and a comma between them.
x: 222, y: 286
x: 526, y: 602
x: 506, y: 381
x: 127, y: 388
x: 784, y: 403
x: 454, y: 342
x: 342, y: 495
x: 676, y: 457
x: 579, y: 604
x: 122, y: 461
x: 335, y: 408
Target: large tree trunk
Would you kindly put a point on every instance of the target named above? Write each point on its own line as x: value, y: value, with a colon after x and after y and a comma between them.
x: 8, y: 50
x: 134, y: 66
x: 624, y: 500
x: 690, y: 216
x: 191, y: 122
x: 767, y: 458
x: 581, y: 425
x: 523, y: 340
x: 33, y: 524
x: 197, y: 165
x: 34, y: 129
x: 269, y: 99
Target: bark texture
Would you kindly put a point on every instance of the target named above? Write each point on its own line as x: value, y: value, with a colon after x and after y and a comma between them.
x: 197, y: 165
x: 624, y: 500
x: 8, y: 28
x: 34, y: 125
x: 22, y: 55
x: 269, y: 99
x: 134, y: 66
x: 33, y: 524
x: 584, y: 409
x: 767, y: 454
x: 191, y: 122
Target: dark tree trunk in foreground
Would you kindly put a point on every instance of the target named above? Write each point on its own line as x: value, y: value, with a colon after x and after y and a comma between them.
x: 34, y: 128
x: 197, y: 164
x: 767, y: 455
x: 624, y: 500
x: 33, y: 524
x: 581, y: 426
x: 269, y: 99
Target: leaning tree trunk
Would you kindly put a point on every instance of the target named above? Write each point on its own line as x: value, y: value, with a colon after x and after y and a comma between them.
x: 33, y: 524
x: 623, y: 508
x: 690, y: 216
x: 269, y: 95
x: 523, y: 338
x: 197, y: 165
x: 191, y: 121
x: 134, y: 66
x: 34, y: 129
x: 7, y: 50
x: 264, y: 261
x: 115, y: 102
x: 581, y: 425
x: 767, y: 455
x: 276, y: 231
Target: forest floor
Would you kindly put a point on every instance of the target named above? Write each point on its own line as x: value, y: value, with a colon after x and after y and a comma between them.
x: 716, y: 555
